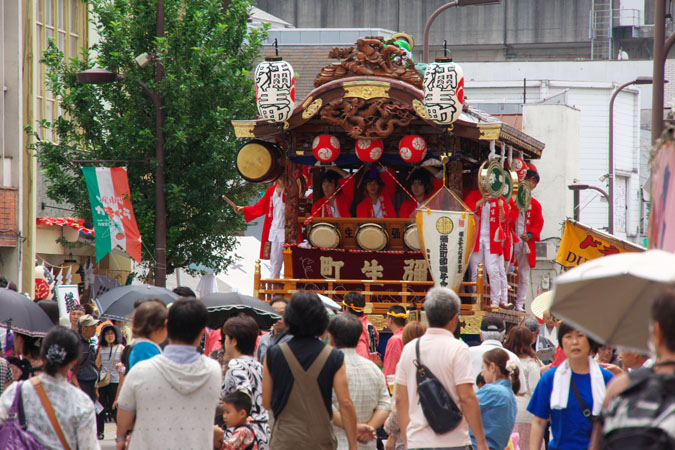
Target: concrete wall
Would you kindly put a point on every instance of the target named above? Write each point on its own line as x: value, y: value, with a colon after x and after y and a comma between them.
x: 514, y: 29
x: 559, y: 127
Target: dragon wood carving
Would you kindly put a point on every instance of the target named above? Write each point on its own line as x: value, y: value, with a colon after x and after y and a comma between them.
x: 372, y: 56
x: 367, y: 119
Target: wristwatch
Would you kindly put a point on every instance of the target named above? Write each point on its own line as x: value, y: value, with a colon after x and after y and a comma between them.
x: 120, y: 439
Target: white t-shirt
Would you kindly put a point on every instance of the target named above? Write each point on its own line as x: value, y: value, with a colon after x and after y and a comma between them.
x: 277, y: 228
x: 447, y: 358
x: 485, y: 221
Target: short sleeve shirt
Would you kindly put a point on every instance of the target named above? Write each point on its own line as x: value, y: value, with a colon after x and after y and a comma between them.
x: 448, y: 359
x: 571, y: 430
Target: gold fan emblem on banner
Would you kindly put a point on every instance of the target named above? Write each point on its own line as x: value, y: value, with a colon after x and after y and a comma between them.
x: 444, y: 225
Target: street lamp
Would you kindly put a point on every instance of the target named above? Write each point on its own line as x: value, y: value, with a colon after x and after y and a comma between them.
x: 427, y: 26
x: 582, y: 187
x: 610, y: 199
x: 98, y: 76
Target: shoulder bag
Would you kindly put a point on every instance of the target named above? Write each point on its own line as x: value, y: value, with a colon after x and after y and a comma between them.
x: 47, y: 405
x: 13, y: 433
x: 104, y: 377
x: 439, y: 409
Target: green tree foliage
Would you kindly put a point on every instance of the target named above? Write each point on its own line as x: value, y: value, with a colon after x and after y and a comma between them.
x: 207, y: 53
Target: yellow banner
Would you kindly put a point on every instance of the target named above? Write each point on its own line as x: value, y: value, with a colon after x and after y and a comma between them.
x: 581, y: 243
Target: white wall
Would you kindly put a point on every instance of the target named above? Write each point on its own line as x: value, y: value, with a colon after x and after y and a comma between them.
x: 618, y: 72
x: 559, y: 127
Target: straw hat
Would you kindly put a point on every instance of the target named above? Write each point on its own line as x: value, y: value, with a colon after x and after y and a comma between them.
x: 541, y: 303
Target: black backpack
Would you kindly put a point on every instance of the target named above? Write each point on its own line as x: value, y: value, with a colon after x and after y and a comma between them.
x: 643, y: 415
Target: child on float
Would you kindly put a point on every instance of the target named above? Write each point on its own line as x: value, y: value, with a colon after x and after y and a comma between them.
x: 421, y: 188
x: 236, y: 409
x: 337, y: 205
x: 377, y: 201
x: 497, y: 398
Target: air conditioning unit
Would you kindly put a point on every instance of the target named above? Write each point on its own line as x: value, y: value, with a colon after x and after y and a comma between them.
x: 546, y: 251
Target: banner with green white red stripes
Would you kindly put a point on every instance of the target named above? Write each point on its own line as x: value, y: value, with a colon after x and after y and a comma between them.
x: 114, y: 220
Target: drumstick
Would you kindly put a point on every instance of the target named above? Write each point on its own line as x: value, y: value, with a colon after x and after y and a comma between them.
x: 230, y: 202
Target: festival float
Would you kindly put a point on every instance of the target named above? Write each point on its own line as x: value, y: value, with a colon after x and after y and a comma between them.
x: 374, y: 110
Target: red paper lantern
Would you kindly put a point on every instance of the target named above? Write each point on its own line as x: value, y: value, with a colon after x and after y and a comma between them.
x: 412, y: 148
x: 326, y: 148
x: 519, y: 166
x: 532, y: 167
x: 369, y: 150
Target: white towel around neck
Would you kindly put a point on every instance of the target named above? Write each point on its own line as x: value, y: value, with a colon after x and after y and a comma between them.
x: 561, y: 386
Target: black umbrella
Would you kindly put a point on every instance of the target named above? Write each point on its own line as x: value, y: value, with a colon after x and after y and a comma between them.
x: 222, y: 306
x: 118, y: 303
x: 19, y: 313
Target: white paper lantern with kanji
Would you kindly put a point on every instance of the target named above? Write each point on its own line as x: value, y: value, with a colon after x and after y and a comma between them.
x: 369, y: 150
x: 326, y: 148
x: 275, y: 89
x: 412, y: 148
x: 443, y: 91
x: 519, y: 166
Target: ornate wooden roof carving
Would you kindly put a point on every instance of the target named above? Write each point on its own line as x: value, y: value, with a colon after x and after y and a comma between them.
x: 347, y: 104
x: 367, y: 119
x: 373, y: 56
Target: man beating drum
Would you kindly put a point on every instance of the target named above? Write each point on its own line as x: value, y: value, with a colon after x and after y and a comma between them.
x: 273, y: 206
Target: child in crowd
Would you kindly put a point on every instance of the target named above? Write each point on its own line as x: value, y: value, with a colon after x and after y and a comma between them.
x: 236, y: 409
x: 497, y: 399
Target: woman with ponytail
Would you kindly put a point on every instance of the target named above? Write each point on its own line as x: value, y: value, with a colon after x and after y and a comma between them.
x: 497, y: 398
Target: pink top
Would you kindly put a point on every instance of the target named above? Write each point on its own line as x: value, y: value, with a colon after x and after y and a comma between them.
x: 448, y: 359
x: 393, y: 352
x: 362, y: 347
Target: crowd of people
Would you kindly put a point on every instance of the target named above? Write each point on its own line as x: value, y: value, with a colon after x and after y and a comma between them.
x: 317, y: 382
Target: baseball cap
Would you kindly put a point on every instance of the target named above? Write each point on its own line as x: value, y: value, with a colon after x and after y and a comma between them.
x: 492, y: 323
x: 87, y: 321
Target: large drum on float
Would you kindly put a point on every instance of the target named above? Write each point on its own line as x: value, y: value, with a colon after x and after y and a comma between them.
x: 411, y: 238
x: 258, y: 162
x: 372, y: 236
x: 324, y: 235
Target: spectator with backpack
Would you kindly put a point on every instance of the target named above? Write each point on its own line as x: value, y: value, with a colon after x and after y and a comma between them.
x: 639, y: 410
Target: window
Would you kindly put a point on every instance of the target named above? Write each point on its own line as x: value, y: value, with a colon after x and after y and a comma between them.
x: 64, y: 21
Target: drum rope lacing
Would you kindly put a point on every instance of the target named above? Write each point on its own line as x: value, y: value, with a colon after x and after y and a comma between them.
x: 339, y: 188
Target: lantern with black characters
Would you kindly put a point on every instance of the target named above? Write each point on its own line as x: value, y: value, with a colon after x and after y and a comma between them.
x: 443, y: 91
x: 275, y: 89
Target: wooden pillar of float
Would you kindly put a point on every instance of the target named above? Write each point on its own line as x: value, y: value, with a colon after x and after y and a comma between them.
x: 288, y: 262
x: 256, y: 279
x: 292, y: 205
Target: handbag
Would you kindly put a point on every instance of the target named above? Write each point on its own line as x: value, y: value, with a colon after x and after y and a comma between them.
x: 13, y: 433
x: 104, y: 377
x: 439, y: 409
x: 47, y: 405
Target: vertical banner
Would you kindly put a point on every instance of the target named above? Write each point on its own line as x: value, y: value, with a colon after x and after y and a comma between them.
x: 114, y: 220
x: 447, y: 238
x: 67, y: 297
x: 662, y: 217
